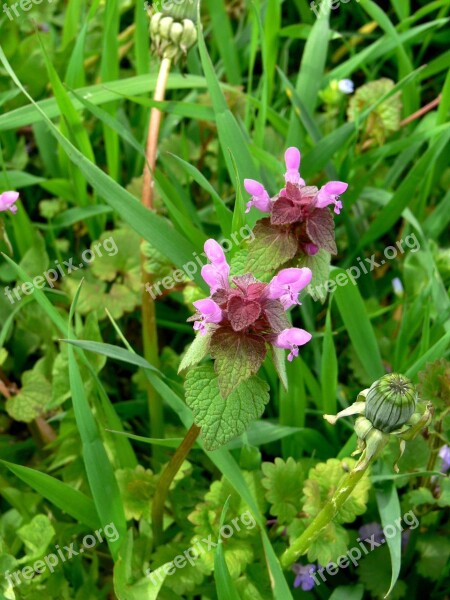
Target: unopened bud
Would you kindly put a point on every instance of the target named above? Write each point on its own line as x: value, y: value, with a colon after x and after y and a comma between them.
x: 165, y: 25
x: 390, y: 402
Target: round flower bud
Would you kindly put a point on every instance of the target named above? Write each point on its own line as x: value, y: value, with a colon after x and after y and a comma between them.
x: 189, y: 36
x: 390, y: 402
x: 165, y: 26
x: 154, y: 23
x: 176, y: 31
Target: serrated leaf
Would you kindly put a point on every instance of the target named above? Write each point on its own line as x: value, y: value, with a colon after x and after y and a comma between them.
x: 284, y: 484
x: 237, y: 356
x: 320, y: 228
x: 242, y: 313
x: 31, y: 401
x: 322, y: 482
x: 137, y: 487
x: 285, y: 212
x: 272, y: 247
x: 320, y: 267
x: 222, y: 420
x: 196, y: 351
x: 328, y: 546
x: 276, y: 315
x: 434, y: 555
x: 36, y: 535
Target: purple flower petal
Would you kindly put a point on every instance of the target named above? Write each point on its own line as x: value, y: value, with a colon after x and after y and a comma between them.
x: 7, y: 200
x: 292, y: 158
x: 444, y: 453
x: 329, y: 194
x: 287, y: 285
x: 291, y: 339
x: 209, y: 311
x: 260, y: 197
x: 214, y: 252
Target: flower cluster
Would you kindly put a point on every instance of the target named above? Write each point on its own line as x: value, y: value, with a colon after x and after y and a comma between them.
x: 244, y: 315
x: 299, y: 210
x: 7, y: 201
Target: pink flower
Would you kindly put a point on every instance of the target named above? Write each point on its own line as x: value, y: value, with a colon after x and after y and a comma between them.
x: 216, y: 274
x: 7, y: 200
x: 209, y: 311
x: 329, y: 194
x: 291, y: 339
x: 287, y: 285
x: 214, y: 252
x: 260, y: 197
x: 293, y: 158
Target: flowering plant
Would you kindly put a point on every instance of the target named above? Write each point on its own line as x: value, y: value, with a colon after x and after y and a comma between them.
x: 299, y: 224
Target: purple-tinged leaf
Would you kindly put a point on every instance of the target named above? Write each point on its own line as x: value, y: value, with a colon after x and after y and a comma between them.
x: 286, y: 212
x: 276, y: 315
x: 272, y: 247
x: 237, y: 357
x: 242, y: 313
x: 320, y: 228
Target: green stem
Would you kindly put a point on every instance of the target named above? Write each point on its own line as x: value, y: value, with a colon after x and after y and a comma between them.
x: 167, y: 476
x: 326, y: 515
x: 149, y: 328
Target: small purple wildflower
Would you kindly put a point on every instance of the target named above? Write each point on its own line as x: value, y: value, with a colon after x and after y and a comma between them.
x: 209, y: 312
x: 303, y: 577
x: 291, y: 339
x: 292, y: 158
x: 7, y: 200
x: 287, y: 285
x: 444, y: 453
x: 372, y: 531
x: 330, y: 193
x: 260, y: 197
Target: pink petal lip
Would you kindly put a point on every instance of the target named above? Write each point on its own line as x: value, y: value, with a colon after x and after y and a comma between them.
x: 292, y: 157
x: 292, y: 337
x: 9, y: 197
x: 254, y: 188
x: 214, y: 252
x: 335, y: 188
x: 299, y: 277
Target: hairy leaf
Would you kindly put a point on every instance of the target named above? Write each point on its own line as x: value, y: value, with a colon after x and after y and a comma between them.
x: 237, y: 356
x: 222, y: 420
x: 320, y: 228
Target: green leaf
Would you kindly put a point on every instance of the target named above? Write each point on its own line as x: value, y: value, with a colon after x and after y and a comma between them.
x: 358, y: 325
x: 147, y: 588
x: 32, y: 399
x: 74, y: 503
x: 237, y: 356
x: 324, y: 479
x: 320, y: 267
x: 196, y: 352
x: 137, y: 487
x: 320, y: 228
x: 284, y: 484
x: 272, y: 247
x: 389, y: 507
x: 99, y: 471
x: 225, y: 587
x: 36, y: 535
x: 376, y: 579
x: 434, y: 555
x: 222, y: 420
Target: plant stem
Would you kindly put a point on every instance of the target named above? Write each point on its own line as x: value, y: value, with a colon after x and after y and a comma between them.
x: 166, y: 479
x: 325, y: 516
x: 149, y: 329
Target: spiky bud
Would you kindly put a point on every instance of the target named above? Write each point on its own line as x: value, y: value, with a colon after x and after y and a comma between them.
x: 390, y: 402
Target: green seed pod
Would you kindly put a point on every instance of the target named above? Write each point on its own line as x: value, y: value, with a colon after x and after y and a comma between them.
x: 154, y: 23
x: 189, y: 37
x: 164, y: 27
x: 390, y: 402
x: 176, y: 31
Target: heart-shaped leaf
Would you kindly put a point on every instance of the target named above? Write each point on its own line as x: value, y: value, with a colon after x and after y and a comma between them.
x: 242, y: 313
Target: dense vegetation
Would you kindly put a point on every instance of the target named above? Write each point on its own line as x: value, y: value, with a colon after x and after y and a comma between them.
x: 138, y: 461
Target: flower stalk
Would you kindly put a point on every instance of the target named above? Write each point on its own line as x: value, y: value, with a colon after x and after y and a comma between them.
x: 167, y: 476
x: 149, y: 329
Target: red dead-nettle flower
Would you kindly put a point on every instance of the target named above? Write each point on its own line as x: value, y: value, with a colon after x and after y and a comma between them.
x: 245, y: 316
x: 7, y: 201
x: 299, y: 221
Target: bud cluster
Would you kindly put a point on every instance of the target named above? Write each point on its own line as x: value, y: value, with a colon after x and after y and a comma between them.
x: 171, y: 37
